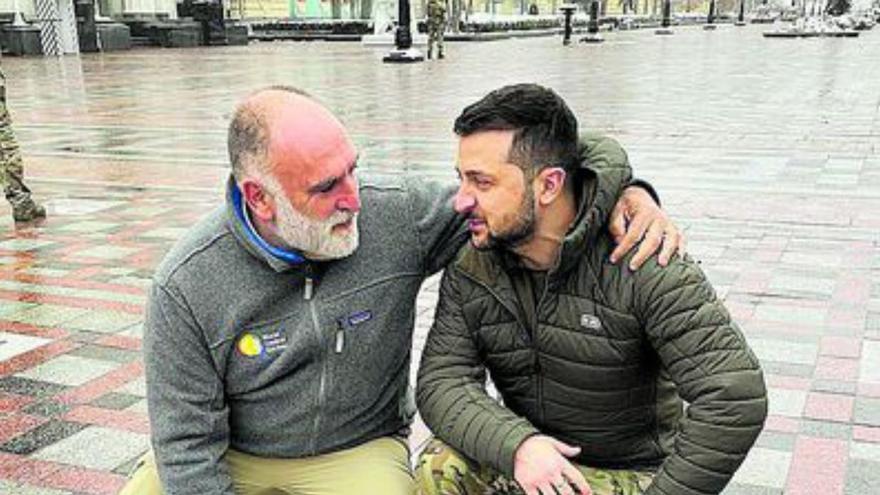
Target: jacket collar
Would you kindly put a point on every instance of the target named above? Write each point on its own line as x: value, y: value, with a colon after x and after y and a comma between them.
x: 277, y: 258
x: 598, y: 190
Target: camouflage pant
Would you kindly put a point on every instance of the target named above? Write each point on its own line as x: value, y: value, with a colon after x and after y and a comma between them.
x: 443, y: 471
x: 436, y: 28
x: 11, y: 166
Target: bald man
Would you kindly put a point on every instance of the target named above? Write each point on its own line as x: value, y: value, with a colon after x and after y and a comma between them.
x: 278, y: 332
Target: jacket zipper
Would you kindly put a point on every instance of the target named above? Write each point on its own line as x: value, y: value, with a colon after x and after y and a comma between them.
x: 308, y: 294
x: 538, y: 371
x: 539, y: 388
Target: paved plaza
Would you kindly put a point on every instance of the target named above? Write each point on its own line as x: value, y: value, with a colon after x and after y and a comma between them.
x: 766, y: 151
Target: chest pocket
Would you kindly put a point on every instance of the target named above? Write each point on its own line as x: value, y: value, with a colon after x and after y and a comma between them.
x: 262, y: 352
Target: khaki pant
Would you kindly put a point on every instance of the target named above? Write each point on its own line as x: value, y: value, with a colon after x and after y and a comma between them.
x: 443, y: 471
x: 380, y: 467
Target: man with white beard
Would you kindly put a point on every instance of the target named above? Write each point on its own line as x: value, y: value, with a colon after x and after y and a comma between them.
x: 278, y: 332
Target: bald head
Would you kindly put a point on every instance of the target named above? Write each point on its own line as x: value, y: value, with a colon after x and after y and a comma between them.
x: 279, y: 122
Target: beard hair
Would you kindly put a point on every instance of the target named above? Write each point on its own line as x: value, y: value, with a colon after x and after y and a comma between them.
x: 522, y: 229
x: 314, y: 238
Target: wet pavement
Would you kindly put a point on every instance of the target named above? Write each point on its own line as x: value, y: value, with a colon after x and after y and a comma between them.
x: 766, y: 151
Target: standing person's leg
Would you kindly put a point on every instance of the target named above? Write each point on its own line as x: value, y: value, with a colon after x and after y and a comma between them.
x: 379, y: 467
x: 12, y: 168
x: 441, y: 30
x: 432, y: 33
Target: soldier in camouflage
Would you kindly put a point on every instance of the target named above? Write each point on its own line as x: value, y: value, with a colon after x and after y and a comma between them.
x: 24, y: 209
x: 443, y: 471
x: 436, y: 26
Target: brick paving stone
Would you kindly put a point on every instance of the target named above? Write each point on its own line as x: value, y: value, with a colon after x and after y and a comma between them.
x: 95, y: 448
x: 831, y: 407
x: 27, y: 386
x: 787, y: 351
x: 870, y: 363
x: 104, y: 321
x: 834, y: 386
x: 832, y: 368
x: 69, y: 370
x: 862, y: 477
x: 867, y: 411
x: 10, y: 488
x: 12, y: 345
x: 766, y: 468
x: 47, y: 408
x: 41, y: 436
x: 104, y: 353
x: 784, y: 402
x: 817, y: 462
x: 116, y: 400
x: 825, y: 428
x: 865, y: 451
x: 48, y: 315
x: 776, y: 441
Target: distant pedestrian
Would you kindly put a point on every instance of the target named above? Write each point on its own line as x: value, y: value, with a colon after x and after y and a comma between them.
x: 436, y: 26
x: 24, y: 209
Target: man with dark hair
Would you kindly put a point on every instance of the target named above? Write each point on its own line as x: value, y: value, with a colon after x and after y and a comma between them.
x: 278, y: 333
x: 593, y: 361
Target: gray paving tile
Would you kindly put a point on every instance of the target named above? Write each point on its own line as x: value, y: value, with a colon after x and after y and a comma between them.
x: 825, y: 429
x: 116, y: 400
x: 95, y: 448
x: 69, y: 370
x: 41, y: 436
x: 47, y: 408
x: 104, y: 353
x: 25, y: 386
x: 862, y: 477
x: 867, y: 411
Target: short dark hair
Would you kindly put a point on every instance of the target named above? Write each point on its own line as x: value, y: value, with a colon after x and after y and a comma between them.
x: 546, y: 130
x: 248, y: 137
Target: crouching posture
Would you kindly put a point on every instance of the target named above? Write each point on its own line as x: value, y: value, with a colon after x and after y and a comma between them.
x: 592, y: 360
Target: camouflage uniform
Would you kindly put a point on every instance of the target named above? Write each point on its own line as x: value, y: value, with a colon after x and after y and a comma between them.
x: 11, y: 168
x: 436, y: 26
x: 443, y: 471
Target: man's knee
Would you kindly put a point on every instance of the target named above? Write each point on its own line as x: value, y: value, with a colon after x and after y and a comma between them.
x: 144, y: 480
x: 441, y: 470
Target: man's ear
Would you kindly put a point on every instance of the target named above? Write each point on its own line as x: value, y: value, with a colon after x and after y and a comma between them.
x: 549, y: 184
x: 260, y: 203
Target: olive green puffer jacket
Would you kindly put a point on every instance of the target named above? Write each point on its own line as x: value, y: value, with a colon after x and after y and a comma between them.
x: 603, y: 360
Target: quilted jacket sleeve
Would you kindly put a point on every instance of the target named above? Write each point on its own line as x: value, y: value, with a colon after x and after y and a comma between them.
x: 714, y: 370
x: 451, y: 392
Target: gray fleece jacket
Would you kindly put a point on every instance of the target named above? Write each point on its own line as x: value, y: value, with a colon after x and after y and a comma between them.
x: 279, y: 359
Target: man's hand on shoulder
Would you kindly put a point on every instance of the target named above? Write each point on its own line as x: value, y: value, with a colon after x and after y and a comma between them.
x: 541, y: 468
x: 637, y: 217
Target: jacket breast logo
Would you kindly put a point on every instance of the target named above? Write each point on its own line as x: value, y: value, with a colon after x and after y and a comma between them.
x: 590, y: 322
x: 249, y: 345
x: 267, y: 345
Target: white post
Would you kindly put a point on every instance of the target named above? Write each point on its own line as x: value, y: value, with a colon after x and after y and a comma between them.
x: 18, y: 20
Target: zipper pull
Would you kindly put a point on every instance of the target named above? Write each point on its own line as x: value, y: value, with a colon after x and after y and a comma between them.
x: 340, y: 339
x: 310, y: 287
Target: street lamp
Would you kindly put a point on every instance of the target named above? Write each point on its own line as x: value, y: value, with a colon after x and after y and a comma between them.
x: 741, y: 19
x: 403, y: 51
x: 710, y: 19
x: 567, y: 10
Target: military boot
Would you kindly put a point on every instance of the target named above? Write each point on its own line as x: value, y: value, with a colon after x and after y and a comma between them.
x: 27, y: 210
